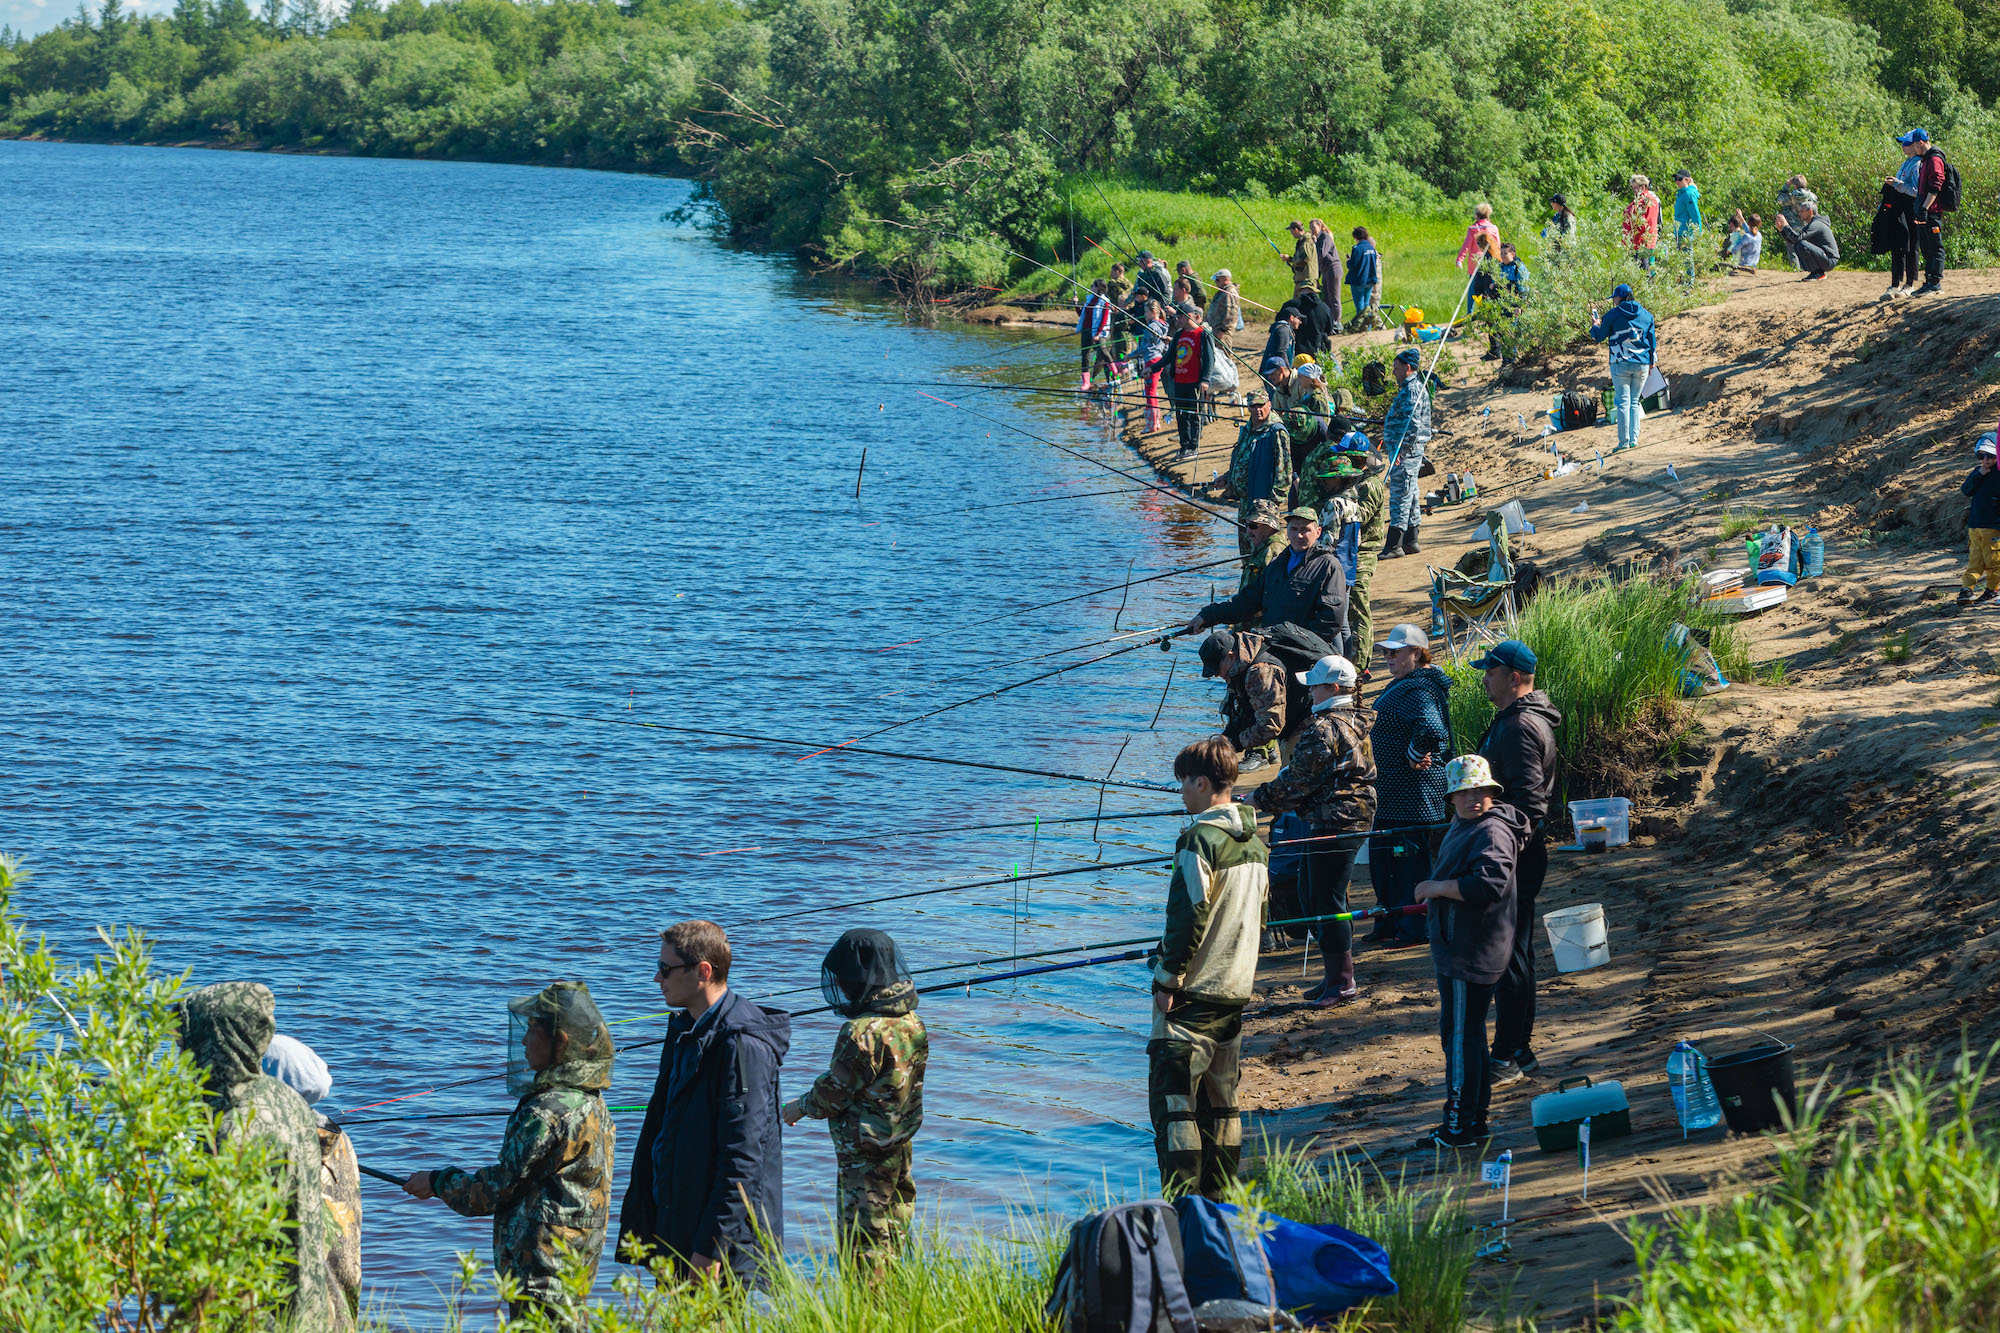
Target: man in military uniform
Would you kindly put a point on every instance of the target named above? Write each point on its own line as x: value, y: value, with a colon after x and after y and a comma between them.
x: 1347, y: 469
x: 549, y: 1195
x: 226, y: 1029
x: 1406, y: 429
x: 1254, y: 714
x: 1265, y: 527
x: 1260, y: 466
x: 872, y: 1094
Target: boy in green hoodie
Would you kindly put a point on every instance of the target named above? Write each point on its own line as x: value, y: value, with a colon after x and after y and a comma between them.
x: 1203, y: 972
x: 872, y: 1094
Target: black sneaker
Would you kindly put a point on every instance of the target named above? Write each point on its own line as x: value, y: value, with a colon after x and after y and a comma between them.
x: 1526, y: 1060
x: 1505, y: 1072
x: 1460, y: 1139
x: 1964, y: 595
x: 1983, y: 598
x: 1928, y: 289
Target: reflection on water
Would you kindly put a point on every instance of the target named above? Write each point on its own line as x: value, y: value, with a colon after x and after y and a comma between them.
x: 316, y: 468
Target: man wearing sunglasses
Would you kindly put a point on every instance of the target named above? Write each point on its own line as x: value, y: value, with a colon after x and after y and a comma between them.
x: 707, y: 1173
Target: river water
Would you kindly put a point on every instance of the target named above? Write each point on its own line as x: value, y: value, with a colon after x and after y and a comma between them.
x: 312, y: 469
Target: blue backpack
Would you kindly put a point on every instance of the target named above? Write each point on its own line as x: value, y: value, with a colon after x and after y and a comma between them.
x: 1265, y: 1263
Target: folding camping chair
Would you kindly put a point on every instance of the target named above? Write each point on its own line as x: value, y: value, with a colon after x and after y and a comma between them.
x: 1468, y: 609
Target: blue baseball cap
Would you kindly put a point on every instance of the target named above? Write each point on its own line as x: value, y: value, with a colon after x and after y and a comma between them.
x: 1622, y: 292
x: 1914, y: 136
x: 1273, y: 364
x: 1509, y: 653
x: 1410, y: 357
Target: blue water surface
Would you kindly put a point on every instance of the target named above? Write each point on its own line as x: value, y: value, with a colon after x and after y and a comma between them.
x: 316, y: 472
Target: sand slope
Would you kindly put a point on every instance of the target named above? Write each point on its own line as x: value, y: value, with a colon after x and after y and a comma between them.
x: 1822, y: 866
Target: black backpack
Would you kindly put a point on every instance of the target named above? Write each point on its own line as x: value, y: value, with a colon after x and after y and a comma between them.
x: 1579, y: 409
x: 1296, y: 648
x: 1374, y: 379
x: 1121, y: 1273
x: 1948, y: 195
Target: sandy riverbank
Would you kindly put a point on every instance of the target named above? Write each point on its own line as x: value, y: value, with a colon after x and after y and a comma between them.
x: 1821, y: 865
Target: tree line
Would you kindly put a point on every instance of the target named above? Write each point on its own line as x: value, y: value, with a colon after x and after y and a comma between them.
x: 870, y: 133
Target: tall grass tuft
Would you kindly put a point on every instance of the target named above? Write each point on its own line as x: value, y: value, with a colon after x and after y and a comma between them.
x: 1425, y: 1229
x: 1891, y: 1222
x: 1602, y: 655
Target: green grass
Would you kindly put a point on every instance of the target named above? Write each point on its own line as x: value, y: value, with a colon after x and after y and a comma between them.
x: 1209, y: 231
x: 1739, y: 522
x: 1896, y: 647
x: 1891, y: 1222
x: 1604, y: 663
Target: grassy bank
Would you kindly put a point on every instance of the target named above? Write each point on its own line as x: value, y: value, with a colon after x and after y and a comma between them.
x: 1212, y: 233
x: 1603, y: 660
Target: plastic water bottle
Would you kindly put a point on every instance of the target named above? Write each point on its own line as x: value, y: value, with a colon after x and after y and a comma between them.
x: 1812, y: 554
x: 1694, y: 1096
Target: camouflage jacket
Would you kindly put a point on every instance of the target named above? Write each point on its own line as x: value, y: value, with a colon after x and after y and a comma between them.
x: 1260, y: 467
x: 1307, y: 419
x: 1260, y: 558
x: 549, y: 1195
x: 1317, y: 486
x: 1372, y: 493
x: 872, y: 1093
x: 1253, y: 711
x: 340, y: 1191
x: 225, y: 1028
x: 1331, y: 779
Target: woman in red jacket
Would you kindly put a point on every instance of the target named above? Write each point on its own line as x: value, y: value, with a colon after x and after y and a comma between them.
x: 1642, y: 222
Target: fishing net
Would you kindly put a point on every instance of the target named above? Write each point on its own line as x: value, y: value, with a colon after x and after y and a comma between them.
x: 579, y: 1037
x: 860, y: 965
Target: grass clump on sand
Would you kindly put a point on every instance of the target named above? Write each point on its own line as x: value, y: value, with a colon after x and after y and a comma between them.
x: 1891, y: 1222
x: 1210, y: 232
x: 1603, y: 659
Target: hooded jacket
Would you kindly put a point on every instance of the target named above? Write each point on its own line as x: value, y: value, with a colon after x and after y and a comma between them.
x: 1331, y: 777
x: 1412, y: 719
x: 225, y: 1029
x: 872, y: 1093
x: 1520, y: 746
x: 1813, y: 243
x: 1312, y: 596
x: 1984, y: 490
x: 549, y: 1194
x: 1889, y: 232
x: 1260, y: 466
x: 1473, y: 940
x: 1253, y: 707
x: 1215, y: 908
x: 1627, y: 332
x: 717, y: 1135
x: 1279, y: 342
x: 1364, y: 267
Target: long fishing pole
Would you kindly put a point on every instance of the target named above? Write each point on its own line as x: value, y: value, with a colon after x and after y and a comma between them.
x: 1060, y: 601
x: 1134, y: 396
x: 1260, y: 229
x: 986, y: 667
x: 958, y: 888
x: 384, y: 1175
x: 1477, y: 262
x: 817, y: 745
x: 1185, y: 499
x: 1010, y: 504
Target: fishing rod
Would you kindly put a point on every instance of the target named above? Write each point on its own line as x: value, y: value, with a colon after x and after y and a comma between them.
x: 818, y: 746
x: 1094, y: 462
x: 959, y: 888
x: 1477, y: 262
x: 1061, y: 601
x: 384, y: 1175
x: 1036, y: 657
x: 1260, y: 229
x: 1039, y: 500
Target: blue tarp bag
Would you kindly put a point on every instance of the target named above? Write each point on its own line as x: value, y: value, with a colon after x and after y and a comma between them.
x: 1316, y: 1270
x: 1222, y: 1258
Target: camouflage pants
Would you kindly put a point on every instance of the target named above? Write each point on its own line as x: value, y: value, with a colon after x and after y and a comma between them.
x: 1358, y: 618
x: 878, y: 1200
x: 1191, y: 1092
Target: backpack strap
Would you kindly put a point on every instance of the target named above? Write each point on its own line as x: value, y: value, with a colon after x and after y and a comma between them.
x: 1147, y: 1238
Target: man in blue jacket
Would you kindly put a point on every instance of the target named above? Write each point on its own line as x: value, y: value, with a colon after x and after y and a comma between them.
x: 707, y: 1177
x: 1626, y: 329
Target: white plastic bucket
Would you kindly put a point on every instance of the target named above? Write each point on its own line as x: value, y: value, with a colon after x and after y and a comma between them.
x: 1577, y: 937
x: 1615, y: 813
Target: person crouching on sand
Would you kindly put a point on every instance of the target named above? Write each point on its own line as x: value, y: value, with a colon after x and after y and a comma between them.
x: 1472, y: 936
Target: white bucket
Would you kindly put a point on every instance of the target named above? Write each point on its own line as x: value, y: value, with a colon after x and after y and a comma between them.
x: 1615, y: 813
x: 1577, y: 938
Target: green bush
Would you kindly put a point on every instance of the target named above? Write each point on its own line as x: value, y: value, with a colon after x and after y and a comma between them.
x: 1889, y: 1223
x: 116, y: 1209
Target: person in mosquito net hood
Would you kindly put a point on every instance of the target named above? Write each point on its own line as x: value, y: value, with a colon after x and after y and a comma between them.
x: 225, y: 1029
x: 872, y: 1094
x: 549, y: 1195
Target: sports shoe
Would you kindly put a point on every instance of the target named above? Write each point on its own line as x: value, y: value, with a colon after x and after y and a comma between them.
x: 1527, y: 1061
x: 1929, y: 289
x: 1891, y: 294
x: 1964, y: 595
x: 1504, y: 1072
x: 1983, y: 598
x: 1814, y: 277
x: 1261, y: 757
x: 1463, y: 1138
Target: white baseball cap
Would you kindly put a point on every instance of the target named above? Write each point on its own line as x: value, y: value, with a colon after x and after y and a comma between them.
x: 1335, y: 670
x: 1983, y: 445
x: 1405, y: 636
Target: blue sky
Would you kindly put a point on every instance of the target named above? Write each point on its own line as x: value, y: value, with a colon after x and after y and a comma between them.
x: 33, y: 16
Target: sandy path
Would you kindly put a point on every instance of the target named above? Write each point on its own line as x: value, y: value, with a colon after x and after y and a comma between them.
x: 1821, y: 866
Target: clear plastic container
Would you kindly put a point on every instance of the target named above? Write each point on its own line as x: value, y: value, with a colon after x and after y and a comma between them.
x: 1812, y: 554
x: 1614, y: 812
x: 1695, y: 1104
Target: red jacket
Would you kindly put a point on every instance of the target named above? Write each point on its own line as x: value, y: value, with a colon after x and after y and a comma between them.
x: 1930, y: 179
x: 1188, y: 357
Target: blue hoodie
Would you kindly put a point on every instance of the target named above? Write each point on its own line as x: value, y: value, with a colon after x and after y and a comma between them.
x: 1364, y: 266
x: 1627, y: 329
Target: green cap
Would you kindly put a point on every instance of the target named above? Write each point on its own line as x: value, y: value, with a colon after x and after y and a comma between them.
x: 1306, y: 512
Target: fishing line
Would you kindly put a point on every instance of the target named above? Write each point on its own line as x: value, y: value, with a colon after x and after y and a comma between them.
x: 1053, y: 652
x: 1061, y: 601
x: 1114, y: 816
x: 849, y: 749
x: 1039, y: 500
x: 956, y: 888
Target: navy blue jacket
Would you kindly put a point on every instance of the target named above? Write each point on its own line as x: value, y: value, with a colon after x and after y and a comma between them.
x: 721, y: 1129
x: 1473, y: 940
x: 1984, y: 488
x: 1413, y: 714
x: 1313, y: 596
x: 1627, y: 330
x: 1364, y: 267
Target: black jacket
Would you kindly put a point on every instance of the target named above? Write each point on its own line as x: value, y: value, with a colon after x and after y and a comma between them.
x: 1889, y: 233
x: 722, y: 1140
x: 1154, y: 281
x: 1313, y: 596
x: 1984, y: 488
x: 1279, y: 343
x: 1316, y: 333
x: 1473, y: 940
x: 1520, y: 745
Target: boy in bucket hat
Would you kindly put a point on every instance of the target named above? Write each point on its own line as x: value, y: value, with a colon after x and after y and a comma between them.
x: 1982, y: 522
x: 1471, y: 897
